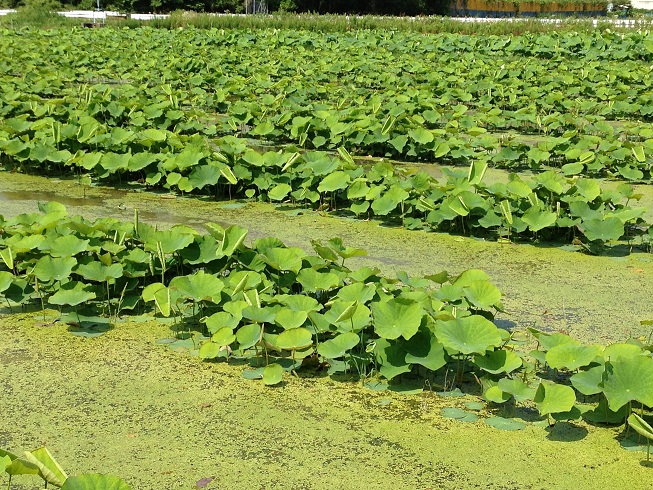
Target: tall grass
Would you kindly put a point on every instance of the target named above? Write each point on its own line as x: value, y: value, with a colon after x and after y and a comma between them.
x: 342, y: 23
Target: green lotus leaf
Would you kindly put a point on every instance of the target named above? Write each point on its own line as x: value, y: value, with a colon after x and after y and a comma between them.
x: 169, y: 241
x: 554, y: 398
x: 72, y: 293
x: 391, y: 358
x: 338, y: 346
x: 482, y: 294
x: 204, y: 175
x: 259, y: 315
x: 469, y: 335
x: 571, y: 357
x: 279, y: 192
x: 6, y: 278
x: 640, y: 425
x: 358, y: 291
x: 628, y: 379
x: 588, y: 382
x: 290, y: 319
x: 498, y: 361
x: 389, y: 200
x: 67, y: 246
x: 21, y: 466
x: 283, y: 259
x: 467, y: 278
x: 219, y: 320
x: 295, y: 339
x: 549, y: 341
x: 520, y: 390
x: 356, y: 322
x: 200, y: 286
x: 397, y: 317
x: 424, y: 349
x: 615, y: 351
x: 421, y: 135
x: 97, y: 271
x: 334, y: 181
x: 49, y: 469
x: 606, y: 229
x: 224, y: 336
x: 231, y: 240
x: 272, y: 374
x: 249, y: 335
x: 459, y: 414
x: 537, y: 219
x: 299, y: 302
x: 94, y: 481
x: 312, y: 280
x: 54, y: 269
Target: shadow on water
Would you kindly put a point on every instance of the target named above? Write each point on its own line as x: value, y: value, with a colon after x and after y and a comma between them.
x: 566, y: 432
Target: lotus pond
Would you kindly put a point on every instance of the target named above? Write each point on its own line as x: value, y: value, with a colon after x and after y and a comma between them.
x: 236, y: 275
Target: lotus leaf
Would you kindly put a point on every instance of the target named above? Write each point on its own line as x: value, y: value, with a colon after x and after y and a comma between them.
x: 391, y: 358
x: 94, y: 482
x: 498, y: 361
x: 424, y: 349
x: 198, y: 287
x: 520, y: 390
x: 72, y: 293
x: 6, y: 278
x: 494, y: 394
x: 628, y: 379
x: 283, y: 259
x: 571, y: 357
x: 397, y: 317
x: 358, y: 321
x: 97, y: 271
x: 54, y: 269
x: 49, y: 469
x: 606, y: 229
x: 294, y: 339
x: 249, y: 335
x: 290, y: 319
x: 615, y: 351
x: 67, y: 246
x: 338, y: 346
x: 312, y: 280
x: 482, y: 294
x: 459, y: 414
x: 220, y: 319
x: 554, y: 398
x: 469, y: 335
x: 588, y: 382
x: 272, y: 374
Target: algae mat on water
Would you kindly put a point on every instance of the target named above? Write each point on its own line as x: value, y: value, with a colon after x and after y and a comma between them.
x: 122, y: 404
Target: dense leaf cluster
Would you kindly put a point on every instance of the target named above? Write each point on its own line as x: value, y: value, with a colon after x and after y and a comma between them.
x: 284, y: 309
x: 199, y: 118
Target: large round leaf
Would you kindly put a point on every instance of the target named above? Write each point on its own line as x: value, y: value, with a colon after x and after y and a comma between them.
x: 628, y: 379
x: 294, y: 339
x: 48, y: 268
x: 569, y: 356
x: 397, y: 317
x: 498, y: 361
x: 554, y: 398
x: 72, y: 293
x: 602, y: 229
x: 94, y: 481
x: 469, y: 335
x: 198, y: 287
x: 338, y: 346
